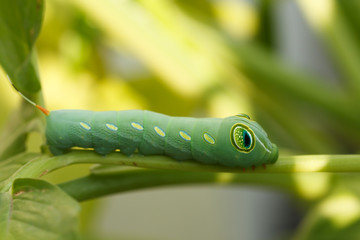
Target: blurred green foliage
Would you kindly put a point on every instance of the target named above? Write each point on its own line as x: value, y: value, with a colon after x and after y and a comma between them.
x: 191, y: 58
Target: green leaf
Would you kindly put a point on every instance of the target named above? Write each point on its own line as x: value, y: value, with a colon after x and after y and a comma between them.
x: 13, y: 164
x: 37, y: 210
x: 20, y: 23
x: 13, y: 137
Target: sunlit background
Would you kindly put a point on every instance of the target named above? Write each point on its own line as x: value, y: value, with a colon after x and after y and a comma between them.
x: 281, y: 62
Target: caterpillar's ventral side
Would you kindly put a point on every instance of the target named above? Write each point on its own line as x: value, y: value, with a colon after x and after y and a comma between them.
x: 234, y: 141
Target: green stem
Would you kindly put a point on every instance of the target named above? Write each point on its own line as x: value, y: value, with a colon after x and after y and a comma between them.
x: 95, y: 186
x: 43, y: 164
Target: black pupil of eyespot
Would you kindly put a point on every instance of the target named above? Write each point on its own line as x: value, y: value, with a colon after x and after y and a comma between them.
x: 247, y: 139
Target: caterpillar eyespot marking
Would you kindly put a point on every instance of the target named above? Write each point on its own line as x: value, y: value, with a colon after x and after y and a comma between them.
x: 85, y: 126
x: 243, y: 138
x: 185, y: 136
x: 137, y: 126
x: 208, y: 138
x: 111, y: 127
x: 159, y: 131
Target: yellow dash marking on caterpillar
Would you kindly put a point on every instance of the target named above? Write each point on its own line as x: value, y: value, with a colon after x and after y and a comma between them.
x: 208, y: 138
x: 159, y: 131
x: 185, y: 136
x: 137, y: 126
x: 111, y: 126
x: 85, y: 125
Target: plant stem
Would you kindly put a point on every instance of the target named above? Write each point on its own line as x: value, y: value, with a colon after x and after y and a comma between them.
x: 165, y: 171
x: 43, y: 164
x: 95, y: 186
x: 285, y: 164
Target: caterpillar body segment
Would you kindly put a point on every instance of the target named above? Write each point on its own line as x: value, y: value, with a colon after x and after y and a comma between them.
x: 234, y: 141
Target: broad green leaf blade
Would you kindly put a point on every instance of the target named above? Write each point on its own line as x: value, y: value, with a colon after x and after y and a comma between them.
x: 13, y: 136
x: 20, y: 23
x: 5, y: 203
x: 13, y: 164
x: 37, y: 210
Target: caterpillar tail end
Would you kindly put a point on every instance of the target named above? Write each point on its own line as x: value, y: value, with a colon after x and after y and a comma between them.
x: 44, y: 110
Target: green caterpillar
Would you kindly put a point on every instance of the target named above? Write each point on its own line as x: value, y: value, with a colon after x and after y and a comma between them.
x: 234, y: 141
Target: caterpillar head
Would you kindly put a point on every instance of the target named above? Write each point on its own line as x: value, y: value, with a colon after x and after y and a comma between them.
x: 249, y: 143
